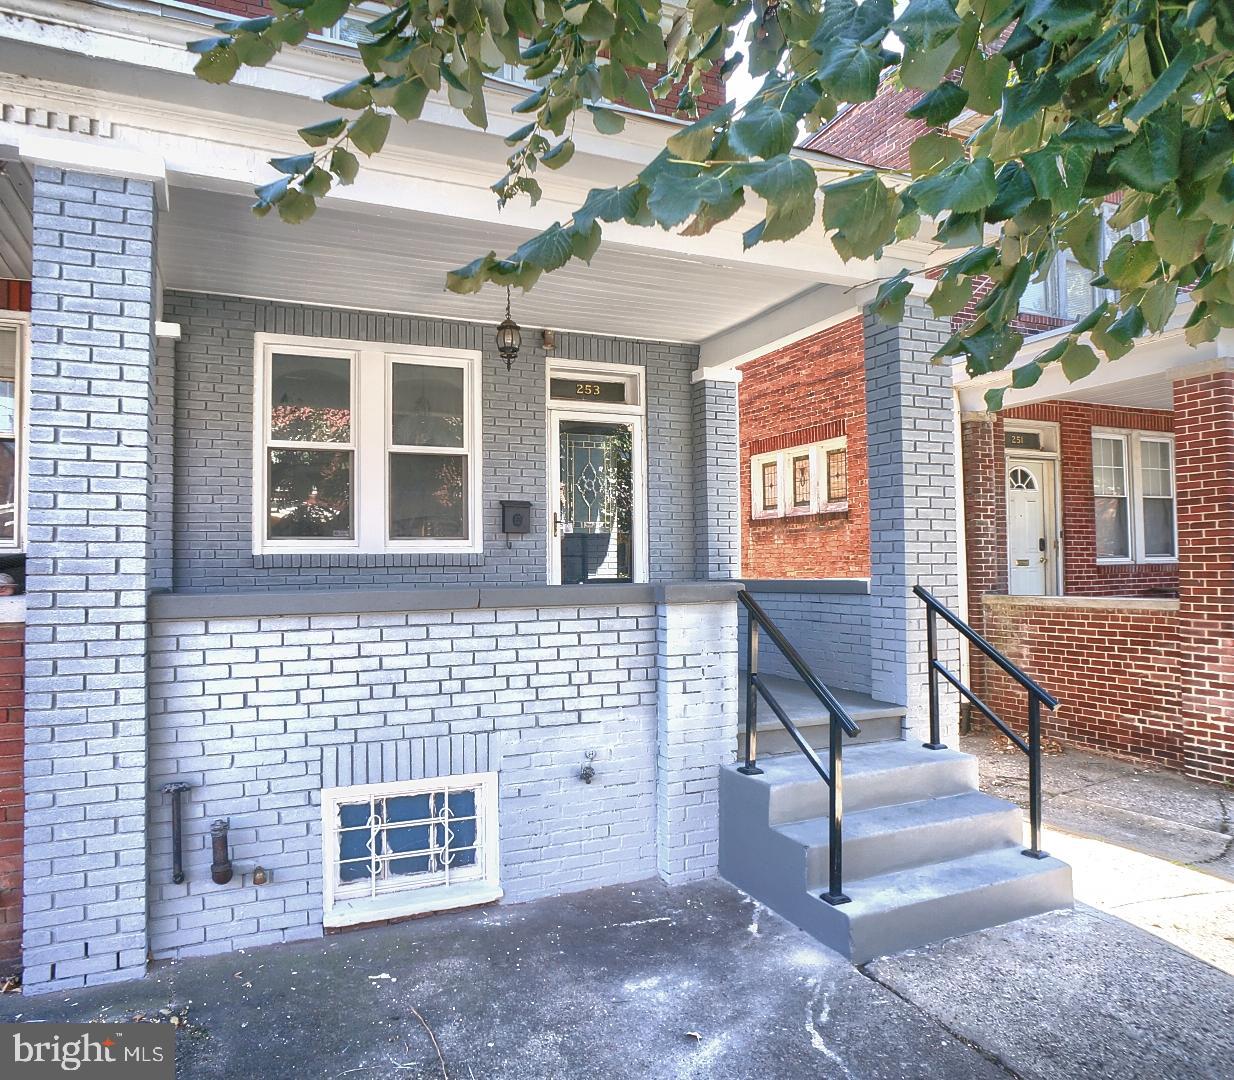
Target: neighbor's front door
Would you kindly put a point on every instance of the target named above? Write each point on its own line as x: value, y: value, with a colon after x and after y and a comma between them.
x: 1030, y: 531
x: 593, y: 518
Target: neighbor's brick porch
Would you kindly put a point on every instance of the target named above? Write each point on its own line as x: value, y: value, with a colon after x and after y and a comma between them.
x: 12, y: 796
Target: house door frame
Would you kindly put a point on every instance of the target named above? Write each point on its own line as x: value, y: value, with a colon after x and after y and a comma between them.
x: 1047, y: 465
x: 631, y: 412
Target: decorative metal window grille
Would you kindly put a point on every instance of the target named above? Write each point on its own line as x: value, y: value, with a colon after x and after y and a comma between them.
x: 801, y: 481
x: 771, y: 486
x: 837, y: 475
x: 394, y: 842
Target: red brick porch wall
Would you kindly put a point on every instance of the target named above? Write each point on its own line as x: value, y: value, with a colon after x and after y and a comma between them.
x: 1113, y: 664
x: 811, y: 390
x: 12, y: 798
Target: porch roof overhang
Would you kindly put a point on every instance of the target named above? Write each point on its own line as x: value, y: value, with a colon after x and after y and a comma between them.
x: 1143, y: 379
x: 112, y: 81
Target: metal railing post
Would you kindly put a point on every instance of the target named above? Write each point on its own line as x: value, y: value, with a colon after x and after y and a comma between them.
x: 750, y: 768
x: 1034, y: 777
x: 835, y: 837
x: 936, y: 742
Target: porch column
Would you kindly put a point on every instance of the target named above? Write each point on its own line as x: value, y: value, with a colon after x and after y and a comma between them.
x: 92, y: 333
x: 912, y: 474
x: 717, y: 491
x: 1204, y: 477
x: 984, y: 515
x: 696, y: 709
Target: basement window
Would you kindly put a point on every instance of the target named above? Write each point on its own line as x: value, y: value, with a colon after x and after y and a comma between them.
x: 392, y: 850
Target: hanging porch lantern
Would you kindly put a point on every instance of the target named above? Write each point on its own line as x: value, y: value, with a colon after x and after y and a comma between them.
x: 509, y: 336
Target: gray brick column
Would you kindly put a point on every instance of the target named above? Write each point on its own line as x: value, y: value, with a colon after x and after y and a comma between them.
x: 92, y: 352
x: 912, y: 476
x: 696, y: 732
x: 717, y: 491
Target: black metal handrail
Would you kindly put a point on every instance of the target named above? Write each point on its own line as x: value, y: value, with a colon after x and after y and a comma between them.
x: 1037, y: 696
x: 841, y: 724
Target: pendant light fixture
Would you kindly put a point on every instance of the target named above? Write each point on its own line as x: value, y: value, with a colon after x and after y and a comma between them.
x: 509, y: 336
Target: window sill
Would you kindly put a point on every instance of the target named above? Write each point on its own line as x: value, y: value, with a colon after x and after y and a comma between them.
x: 293, y: 559
x: 401, y: 905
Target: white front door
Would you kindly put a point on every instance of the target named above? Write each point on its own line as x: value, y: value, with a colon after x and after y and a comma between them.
x: 1030, y: 527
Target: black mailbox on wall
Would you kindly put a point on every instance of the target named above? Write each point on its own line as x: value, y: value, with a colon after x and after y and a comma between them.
x: 515, y: 518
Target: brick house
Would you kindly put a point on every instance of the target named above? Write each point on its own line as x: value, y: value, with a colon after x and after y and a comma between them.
x: 327, y: 617
x: 1096, y: 520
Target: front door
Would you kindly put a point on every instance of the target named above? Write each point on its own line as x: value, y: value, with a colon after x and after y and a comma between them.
x: 595, y: 509
x: 1030, y: 529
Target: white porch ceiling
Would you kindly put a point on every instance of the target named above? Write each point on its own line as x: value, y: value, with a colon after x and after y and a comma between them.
x: 397, y: 261
x: 1150, y: 392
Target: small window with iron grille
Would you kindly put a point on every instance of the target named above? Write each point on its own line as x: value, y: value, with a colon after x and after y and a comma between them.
x: 801, y: 482
x: 837, y: 475
x: 405, y: 848
x: 771, y: 485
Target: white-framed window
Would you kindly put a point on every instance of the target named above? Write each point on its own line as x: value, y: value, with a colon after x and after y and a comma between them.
x: 390, y: 850
x: 802, y: 480
x: 1064, y: 291
x: 365, y: 447
x: 14, y: 331
x: 1134, y: 497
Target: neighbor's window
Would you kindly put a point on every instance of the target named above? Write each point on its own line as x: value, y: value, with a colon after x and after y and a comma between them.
x: 1065, y: 290
x: 771, y: 485
x: 367, y: 447
x: 1133, y: 497
x: 11, y: 381
x: 802, y: 493
x: 404, y: 848
x: 837, y: 474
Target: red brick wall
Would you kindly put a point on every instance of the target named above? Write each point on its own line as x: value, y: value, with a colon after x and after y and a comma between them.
x: 14, y: 295
x: 986, y: 517
x: 1204, y: 419
x: 12, y: 756
x: 1114, y: 669
x: 712, y: 97
x: 808, y: 391
x: 874, y: 132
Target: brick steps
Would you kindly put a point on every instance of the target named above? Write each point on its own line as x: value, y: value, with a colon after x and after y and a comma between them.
x: 926, y: 855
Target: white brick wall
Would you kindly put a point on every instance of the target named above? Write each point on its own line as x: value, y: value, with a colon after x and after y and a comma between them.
x: 246, y: 709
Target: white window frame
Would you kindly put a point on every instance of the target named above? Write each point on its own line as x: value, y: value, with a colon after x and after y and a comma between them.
x: 821, y: 501
x: 1055, y: 279
x: 1133, y: 441
x: 20, y: 321
x: 478, y: 884
x: 371, y: 444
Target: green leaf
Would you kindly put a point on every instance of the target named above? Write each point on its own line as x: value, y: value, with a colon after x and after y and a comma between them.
x: 353, y: 95
x: 994, y: 398
x: 254, y: 50
x: 1060, y: 20
x: 985, y: 79
x: 1151, y: 160
x: 1167, y: 84
x: 1083, y: 235
x: 926, y: 23
x: 323, y: 13
x: 470, y: 278
x: 344, y: 164
x: 675, y: 197
x: 546, y: 251
x: 322, y: 133
x: 409, y: 98
x: 709, y: 216
x: 316, y: 182
x: 293, y: 166
x: 932, y: 151
x: 369, y: 130
x: 890, y: 298
x: 531, y: 102
x: 940, y: 106
x: 609, y: 204
x: 950, y: 296
x: 1026, y: 374
x: 1025, y: 101
x: 762, y: 131
x: 218, y: 66
x: 1160, y: 300
x: 295, y: 207
x: 559, y: 154
x: 207, y: 45
x: 1130, y: 263
x: 849, y: 70
x: 1179, y: 240
x: 789, y: 187
x: 862, y: 210
x: 1093, y: 137
x: 1115, y: 340
x: 606, y: 121
x: 1078, y: 360
x: 269, y: 194
x: 963, y: 187
x: 585, y: 242
x: 1015, y: 193
x: 694, y: 142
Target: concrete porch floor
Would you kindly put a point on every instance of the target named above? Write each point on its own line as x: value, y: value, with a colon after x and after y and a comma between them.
x: 697, y: 981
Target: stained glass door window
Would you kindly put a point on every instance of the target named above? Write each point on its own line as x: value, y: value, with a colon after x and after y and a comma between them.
x: 595, y: 501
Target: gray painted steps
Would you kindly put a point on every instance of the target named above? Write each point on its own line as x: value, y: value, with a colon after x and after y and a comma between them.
x: 926, y: 855
x: 879, y: 720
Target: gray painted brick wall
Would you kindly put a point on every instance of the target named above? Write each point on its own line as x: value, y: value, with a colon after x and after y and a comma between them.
x: 260, y: 714
x: 213, y: 395
x: 717, y: 491
x: 92, y: 342
x: 912, y: 474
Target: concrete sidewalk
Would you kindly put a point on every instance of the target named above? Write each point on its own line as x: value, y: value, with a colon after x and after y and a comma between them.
x: 695, y: 981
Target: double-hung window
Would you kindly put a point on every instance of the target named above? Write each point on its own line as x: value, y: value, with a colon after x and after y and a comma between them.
x: 366, y: 448
x: 1133, y: 497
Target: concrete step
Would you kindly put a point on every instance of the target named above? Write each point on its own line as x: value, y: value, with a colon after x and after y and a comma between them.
x: 879, y: 720
x: 876, y: 774
x: 884, y: 839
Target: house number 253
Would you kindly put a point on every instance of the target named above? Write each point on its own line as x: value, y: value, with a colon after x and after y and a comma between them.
x: 585, y: 389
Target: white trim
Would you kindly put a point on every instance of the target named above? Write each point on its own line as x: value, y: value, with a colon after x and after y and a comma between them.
x: 1050, y: 504
x: 91, y: 156
x: 481, y: 886
x: 1133, y: 464
x: 821, y: 501
x: 167, y: 330
x: 20, y: 320
x: 632, y: 414
x: 369, y: 444
x: 633, y: 375
x: 12, y: 609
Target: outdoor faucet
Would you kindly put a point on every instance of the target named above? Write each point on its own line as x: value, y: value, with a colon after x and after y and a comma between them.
x: 588, y: 772
x: 220, y: 865
x: 176, y: 789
